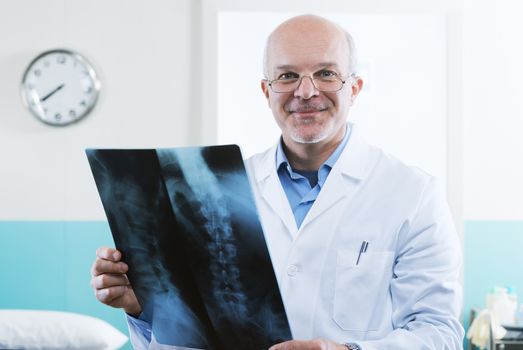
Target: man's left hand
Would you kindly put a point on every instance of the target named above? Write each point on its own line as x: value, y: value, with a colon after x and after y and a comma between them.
x: 315, y: 344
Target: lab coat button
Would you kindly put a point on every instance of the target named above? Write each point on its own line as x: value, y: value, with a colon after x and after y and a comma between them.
x: 292, y: 270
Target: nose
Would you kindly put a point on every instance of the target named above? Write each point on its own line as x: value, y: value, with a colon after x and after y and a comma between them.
x: 306, y: 88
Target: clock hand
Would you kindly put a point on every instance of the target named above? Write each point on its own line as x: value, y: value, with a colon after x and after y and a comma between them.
x: 52, y: 92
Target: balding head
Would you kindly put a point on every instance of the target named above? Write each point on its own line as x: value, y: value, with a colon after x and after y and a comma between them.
x: 309, y: 84
x: 306, y: 30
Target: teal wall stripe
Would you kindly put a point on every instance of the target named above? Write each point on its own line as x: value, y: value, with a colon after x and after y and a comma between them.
x: 493, y: 256
x: 46, y: 264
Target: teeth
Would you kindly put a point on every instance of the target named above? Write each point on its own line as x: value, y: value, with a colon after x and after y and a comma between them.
x: 308, y: 110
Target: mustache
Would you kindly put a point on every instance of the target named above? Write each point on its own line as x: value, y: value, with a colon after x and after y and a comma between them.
x: 300, y: 107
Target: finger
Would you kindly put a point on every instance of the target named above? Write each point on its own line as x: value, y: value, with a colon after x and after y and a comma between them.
x: 108, y: 295
x: 107, y: 253
x: 101, y: 266
x: 299, y: 345
x: 288, y: 345
x: 107, y: 280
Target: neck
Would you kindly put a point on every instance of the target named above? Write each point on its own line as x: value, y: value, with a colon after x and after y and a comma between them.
x: 310, y: 156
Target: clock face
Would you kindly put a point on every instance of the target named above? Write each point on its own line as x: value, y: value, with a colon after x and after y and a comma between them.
x: 60, y: 87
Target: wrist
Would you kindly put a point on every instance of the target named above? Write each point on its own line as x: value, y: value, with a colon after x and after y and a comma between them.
x: 134, y: 311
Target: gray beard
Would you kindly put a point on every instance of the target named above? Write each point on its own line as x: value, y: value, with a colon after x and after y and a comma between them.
x: 318, y: 138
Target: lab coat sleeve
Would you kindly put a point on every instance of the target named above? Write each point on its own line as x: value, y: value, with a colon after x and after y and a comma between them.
x: 139, y: 332
x: 142, y: 337
x: 426, y: 290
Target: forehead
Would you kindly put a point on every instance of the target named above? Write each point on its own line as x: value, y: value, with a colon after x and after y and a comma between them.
x: 308, y: 48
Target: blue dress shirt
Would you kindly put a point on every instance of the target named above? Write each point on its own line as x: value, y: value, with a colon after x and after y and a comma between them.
x: 302, y: 187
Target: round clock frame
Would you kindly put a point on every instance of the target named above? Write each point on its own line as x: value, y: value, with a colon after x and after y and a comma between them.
x: 60, y: 87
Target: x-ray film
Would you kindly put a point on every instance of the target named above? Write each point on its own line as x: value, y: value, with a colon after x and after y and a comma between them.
x: 187, y: 225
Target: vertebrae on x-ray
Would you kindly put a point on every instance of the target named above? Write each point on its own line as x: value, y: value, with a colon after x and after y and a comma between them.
x: 152, y: 272
x: 206, y: 198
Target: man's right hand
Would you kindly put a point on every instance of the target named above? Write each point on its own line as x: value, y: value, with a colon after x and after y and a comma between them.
x: 110, y: 282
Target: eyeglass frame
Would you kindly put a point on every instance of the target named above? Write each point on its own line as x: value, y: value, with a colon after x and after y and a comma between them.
x: 310, y: 76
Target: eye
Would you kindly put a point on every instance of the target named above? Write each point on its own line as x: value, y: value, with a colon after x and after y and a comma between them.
x: 326, y: 74
x: 288, y: 76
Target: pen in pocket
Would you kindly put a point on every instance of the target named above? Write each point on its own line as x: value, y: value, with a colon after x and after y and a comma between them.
x: 363, y: 249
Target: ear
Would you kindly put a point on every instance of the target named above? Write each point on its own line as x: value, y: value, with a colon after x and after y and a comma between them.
x: 265, y: 88
x: 356, y: 87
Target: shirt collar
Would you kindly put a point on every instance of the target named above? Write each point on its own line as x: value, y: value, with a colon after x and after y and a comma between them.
x: 281, y: 158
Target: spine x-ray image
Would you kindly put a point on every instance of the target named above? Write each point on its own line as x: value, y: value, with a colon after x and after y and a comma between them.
x: 187, y: 225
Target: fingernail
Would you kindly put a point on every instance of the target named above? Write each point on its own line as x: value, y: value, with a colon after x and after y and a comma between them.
x: 116, y: 255
x: 102, y: 293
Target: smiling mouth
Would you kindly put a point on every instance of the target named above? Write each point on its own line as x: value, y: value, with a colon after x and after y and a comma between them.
x: 307, y: 112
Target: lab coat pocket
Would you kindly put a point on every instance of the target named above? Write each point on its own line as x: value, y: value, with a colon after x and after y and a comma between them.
x: 361, y: 290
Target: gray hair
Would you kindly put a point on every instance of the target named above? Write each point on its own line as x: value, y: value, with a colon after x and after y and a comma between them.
x: 350, y: 44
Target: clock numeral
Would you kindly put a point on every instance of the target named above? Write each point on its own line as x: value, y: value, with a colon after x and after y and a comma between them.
x: 46, y: 87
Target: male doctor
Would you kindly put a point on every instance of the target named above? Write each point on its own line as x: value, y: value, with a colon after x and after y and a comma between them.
x: 363, y: 246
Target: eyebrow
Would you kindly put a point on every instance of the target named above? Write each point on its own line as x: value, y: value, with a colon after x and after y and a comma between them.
x: 319, y: 65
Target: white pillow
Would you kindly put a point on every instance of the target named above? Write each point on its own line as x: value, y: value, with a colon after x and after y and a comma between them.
x: 31, y: 329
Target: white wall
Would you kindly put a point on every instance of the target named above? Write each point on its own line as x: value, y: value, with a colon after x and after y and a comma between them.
x: 148, y: 53
x: 401, y: 108
x: 449, y: 9
x: 493, y: 95
x: 142, y: 51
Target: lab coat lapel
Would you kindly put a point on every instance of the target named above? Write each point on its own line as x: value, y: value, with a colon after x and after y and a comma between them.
x: 344, y: 177
x: 275, y: 196
x: 334, y: 190
x: 273, y: 193
x: 350, y: 169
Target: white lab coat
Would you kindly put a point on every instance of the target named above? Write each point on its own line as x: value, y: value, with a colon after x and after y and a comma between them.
x: 405, y: 291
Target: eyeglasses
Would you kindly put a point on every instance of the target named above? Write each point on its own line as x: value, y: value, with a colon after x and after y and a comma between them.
x: 324, y: 80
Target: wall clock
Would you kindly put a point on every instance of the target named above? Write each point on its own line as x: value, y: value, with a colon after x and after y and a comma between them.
x: 60, y: 87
